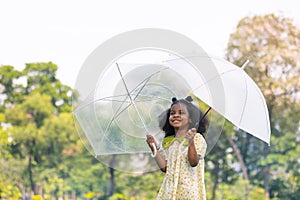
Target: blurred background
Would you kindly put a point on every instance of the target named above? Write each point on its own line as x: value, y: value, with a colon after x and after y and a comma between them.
x: 43, y: 45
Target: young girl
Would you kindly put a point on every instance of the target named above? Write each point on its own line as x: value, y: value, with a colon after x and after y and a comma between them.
x: 184, y: 147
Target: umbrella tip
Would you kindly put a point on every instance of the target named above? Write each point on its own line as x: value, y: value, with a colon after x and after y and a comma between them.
x: 245, y: 64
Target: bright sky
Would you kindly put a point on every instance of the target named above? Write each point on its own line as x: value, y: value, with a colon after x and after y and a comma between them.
x: 67, y: 31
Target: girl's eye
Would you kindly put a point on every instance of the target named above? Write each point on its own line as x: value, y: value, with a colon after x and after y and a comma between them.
x: 179, y: 112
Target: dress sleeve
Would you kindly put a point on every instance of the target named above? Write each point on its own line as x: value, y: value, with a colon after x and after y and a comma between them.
x: 200, y: 145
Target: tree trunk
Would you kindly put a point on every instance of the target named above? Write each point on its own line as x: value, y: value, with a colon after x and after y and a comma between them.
x: 239, y: 156
x: 267, y: 169
x: 111, y: 190
x: 216, y: 182
x: 267, y: 175
x: 73, y: 195
x: 32, y: 183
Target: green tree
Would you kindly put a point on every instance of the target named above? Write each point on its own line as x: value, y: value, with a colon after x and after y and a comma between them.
x: 41, y: 78
x: 33, y: 103
x: 10, y: 93
x: 136, y: 186
x: 9, y: 168
x: 26, y: 119
x: 272, y: 45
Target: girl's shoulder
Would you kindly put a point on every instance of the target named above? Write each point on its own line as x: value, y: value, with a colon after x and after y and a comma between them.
x: 167, y: 141
x: 199, y: 138
x: 199, y: 135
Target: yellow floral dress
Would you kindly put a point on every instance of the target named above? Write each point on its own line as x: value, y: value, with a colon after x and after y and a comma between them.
x: 181, y: 180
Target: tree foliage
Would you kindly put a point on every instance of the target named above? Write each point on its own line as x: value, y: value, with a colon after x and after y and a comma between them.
x: 272, y: 44
x: 42, y: 156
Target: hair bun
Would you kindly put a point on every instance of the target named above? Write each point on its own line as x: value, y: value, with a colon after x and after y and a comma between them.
x: 189, y: 99
x: 174, y: 99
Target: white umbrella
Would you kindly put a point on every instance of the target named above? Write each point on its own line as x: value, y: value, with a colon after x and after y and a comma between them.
x: 244, y: 104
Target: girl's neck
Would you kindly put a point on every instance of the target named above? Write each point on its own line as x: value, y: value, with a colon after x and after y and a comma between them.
x: 180, y: 133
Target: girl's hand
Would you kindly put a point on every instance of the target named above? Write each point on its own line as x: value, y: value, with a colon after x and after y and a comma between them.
x: 191, y: 134
x: 151, y: 140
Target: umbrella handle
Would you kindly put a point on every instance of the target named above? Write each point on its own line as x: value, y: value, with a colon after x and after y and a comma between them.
x: 154, y: 150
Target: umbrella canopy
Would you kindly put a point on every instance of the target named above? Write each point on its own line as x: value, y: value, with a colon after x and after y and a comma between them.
x: 124, y: 107
x: 128, y: 98
x: 119, y: 115
x: 245, y: 104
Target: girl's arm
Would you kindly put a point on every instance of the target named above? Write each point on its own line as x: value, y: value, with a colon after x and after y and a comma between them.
x: 193, y: 157
x: 161, y: 162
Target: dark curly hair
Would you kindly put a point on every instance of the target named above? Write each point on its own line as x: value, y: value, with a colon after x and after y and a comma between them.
x: 199, y: 121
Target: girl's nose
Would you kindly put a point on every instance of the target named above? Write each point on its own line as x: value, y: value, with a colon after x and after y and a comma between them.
x: 176, y: 114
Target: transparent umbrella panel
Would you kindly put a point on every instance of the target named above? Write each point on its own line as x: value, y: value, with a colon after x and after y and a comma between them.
x: 118, y: 117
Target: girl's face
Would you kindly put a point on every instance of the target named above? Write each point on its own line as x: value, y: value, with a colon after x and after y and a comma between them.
x: 179, y: 117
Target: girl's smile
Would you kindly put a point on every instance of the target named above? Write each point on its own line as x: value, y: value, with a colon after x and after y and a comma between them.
x: 179, y: 117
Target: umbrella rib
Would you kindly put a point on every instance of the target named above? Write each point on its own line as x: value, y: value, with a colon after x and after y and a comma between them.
x: 115, y: 116
x: 213, y: 78
x: 108, y: 98
x: 217, y: 76
x: 131, y: 100
x: 145, y: 81
x: 101, y: 99
x: 244, y: 106
x: 117, y: 113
